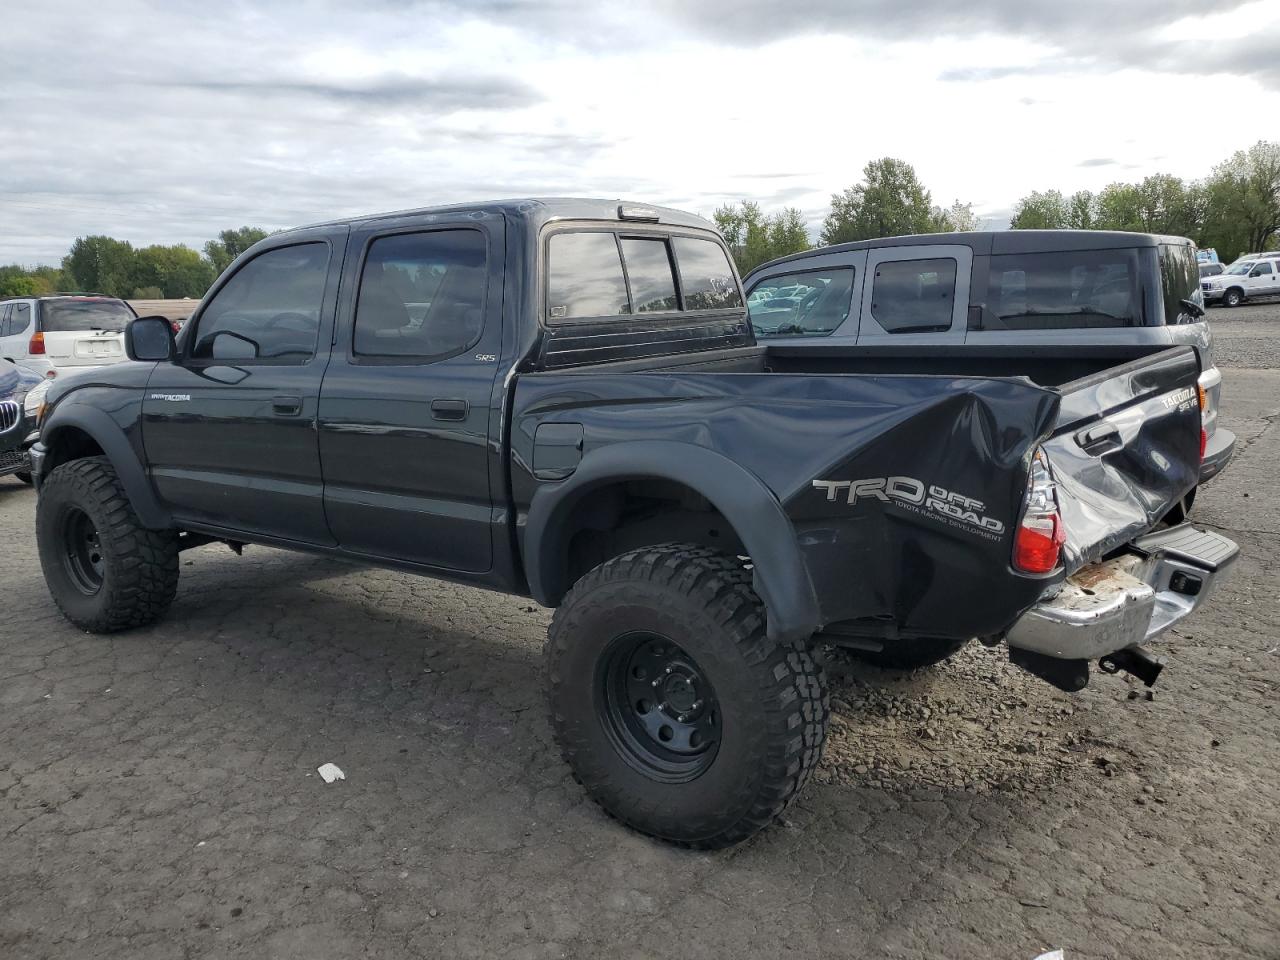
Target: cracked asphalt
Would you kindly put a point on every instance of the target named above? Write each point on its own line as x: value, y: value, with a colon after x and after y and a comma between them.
x: 159, y: 795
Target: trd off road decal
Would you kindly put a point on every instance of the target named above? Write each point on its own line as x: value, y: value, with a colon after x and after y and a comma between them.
x: 937, y: 503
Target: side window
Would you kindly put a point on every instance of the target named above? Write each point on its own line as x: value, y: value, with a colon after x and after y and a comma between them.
x: 706, y: 278
x: 20, y: 319
x: 1078, y: 289
x: 421, y: 295
x: 653, y: 286
x: 1263, y: 268
x: 585, y: 277
x: 269, y: 310
x: 5, y: 329
x: 809, y: 303
x: 914, y: 296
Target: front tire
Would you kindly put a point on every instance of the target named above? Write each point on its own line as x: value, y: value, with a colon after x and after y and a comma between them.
x: 674, y: 709
x: 105, y: 570
x: 1233, y: 298
x: 24, y: 477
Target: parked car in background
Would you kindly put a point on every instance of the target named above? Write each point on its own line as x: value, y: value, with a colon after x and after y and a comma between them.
x: 63, y: 330
x: 16, y: 422
x: 1064, y: 293
x: 1211, y: 269
x: 1244, y: 280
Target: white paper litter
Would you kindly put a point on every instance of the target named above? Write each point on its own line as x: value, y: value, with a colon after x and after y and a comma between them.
x: 1052, y: 955
x: 330, y: 772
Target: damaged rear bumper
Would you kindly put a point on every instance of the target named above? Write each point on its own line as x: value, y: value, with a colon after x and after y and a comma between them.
x: 1119, y: 603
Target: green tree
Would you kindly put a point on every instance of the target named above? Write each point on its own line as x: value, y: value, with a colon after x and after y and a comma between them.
x: 230, y: 244
x: 890, y: 201
x: 1040, y: 211
x: 1242, y: 206
x: 177, y: 271
x: 1081, y: 211
x: 754, y: 237
x: 958, y: 217
x: 18, y: 285
x: 100, y: 265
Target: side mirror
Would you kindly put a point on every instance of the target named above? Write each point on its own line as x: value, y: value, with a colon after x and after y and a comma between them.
x: 149, y: 338
x: 1192, y: 308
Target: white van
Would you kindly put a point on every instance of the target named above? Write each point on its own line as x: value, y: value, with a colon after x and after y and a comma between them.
x: 60, y: 331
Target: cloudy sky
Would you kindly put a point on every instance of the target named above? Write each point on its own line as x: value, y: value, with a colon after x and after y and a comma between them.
x: 168, y: 121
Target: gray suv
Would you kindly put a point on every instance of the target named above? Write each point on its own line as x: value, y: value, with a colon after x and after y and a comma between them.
x: 1077, y: 293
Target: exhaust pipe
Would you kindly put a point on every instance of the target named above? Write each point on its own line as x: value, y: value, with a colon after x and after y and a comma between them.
x: 1133, y: 660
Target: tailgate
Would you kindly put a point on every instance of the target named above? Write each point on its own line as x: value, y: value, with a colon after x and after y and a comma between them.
x: 1125, y: 449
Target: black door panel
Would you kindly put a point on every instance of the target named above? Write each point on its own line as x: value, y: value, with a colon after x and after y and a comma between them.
x: 234, y: 443
x: 404, y: 433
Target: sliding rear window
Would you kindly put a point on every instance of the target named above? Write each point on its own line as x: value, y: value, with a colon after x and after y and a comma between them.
x: 601, y: 274
x: 1064, y: 290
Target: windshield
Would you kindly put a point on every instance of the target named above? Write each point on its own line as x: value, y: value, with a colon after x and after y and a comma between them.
x: 1240, y: 269
x: 84, y: 315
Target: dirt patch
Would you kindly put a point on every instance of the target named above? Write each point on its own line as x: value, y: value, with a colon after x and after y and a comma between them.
x: 975, y: 723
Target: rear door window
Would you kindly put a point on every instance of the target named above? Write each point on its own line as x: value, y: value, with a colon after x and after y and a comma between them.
x: 807, y: 303
x: 20, y: 318
x: 421, y: 295
x: 706, y: 277
x: 5, y: 327
x: 914, y: 296
x: 1065, y: 290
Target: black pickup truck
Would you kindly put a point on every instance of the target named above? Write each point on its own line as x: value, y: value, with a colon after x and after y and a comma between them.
x: 564, y: 399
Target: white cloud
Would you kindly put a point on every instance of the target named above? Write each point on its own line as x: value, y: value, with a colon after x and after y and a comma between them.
x: 166, y: 122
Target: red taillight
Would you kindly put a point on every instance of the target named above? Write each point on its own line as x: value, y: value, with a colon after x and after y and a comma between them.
x: 36, y: 346
x: 1037, y: 543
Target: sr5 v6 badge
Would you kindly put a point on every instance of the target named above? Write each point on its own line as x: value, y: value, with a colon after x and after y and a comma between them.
x: 931, y: 500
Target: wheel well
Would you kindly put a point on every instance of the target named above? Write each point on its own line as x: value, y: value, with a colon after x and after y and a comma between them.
x: 611, y: 520
x: 67, y: 444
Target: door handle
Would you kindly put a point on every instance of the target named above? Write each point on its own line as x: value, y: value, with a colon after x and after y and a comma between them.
x: 449, y: 409
x: 1097, y: 438
x: 286, y: 406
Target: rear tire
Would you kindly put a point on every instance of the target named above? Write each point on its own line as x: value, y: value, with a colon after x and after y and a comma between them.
x: 670, y: 703
x: 909, y: 654
x: 105, y: 570
x: 1233, y: 298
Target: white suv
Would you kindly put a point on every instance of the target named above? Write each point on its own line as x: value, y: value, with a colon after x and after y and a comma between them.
x: 59, y: 331
x: 1244, y: 280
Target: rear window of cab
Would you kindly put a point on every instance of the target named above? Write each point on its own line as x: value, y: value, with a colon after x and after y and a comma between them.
x: 605, y: 274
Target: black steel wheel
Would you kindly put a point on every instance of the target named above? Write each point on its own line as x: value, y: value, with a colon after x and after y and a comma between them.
x: 672, y: 705
x: 658, y: 706
x: 82, y: 551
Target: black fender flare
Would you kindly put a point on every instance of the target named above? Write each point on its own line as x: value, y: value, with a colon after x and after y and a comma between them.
x: 108, y: 435
x: 780, y: 576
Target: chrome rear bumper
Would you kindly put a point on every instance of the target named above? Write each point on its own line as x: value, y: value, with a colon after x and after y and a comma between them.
x: 1109, y: 606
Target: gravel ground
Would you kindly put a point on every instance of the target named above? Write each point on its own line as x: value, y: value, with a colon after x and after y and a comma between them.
x: 159, y: 796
